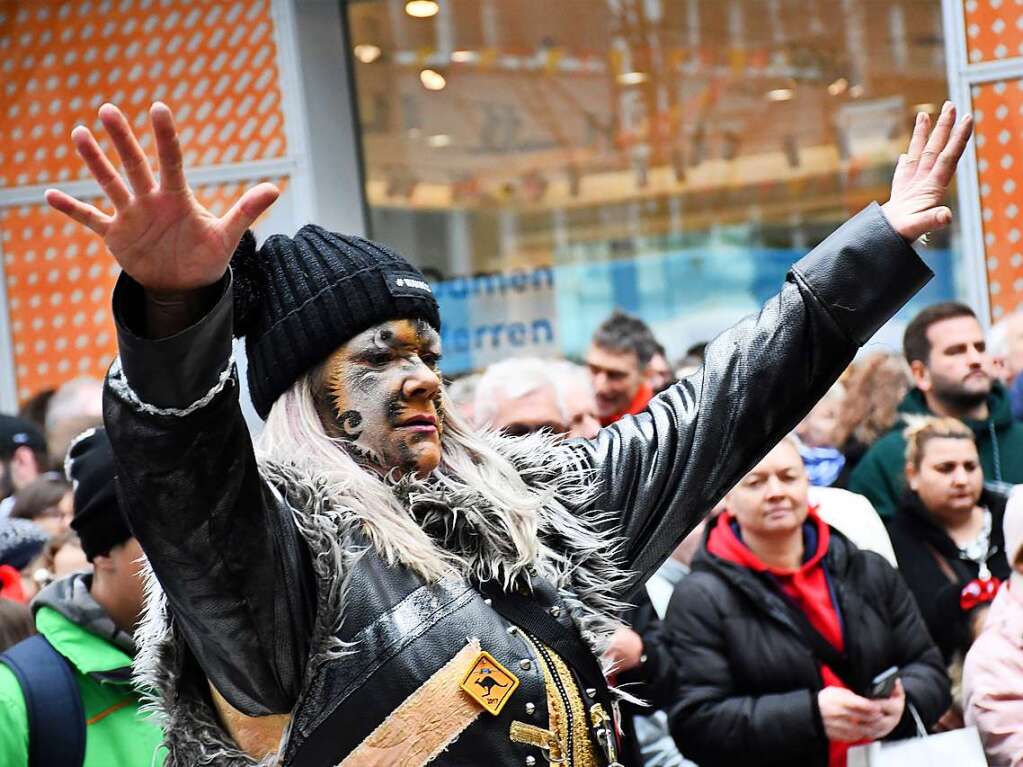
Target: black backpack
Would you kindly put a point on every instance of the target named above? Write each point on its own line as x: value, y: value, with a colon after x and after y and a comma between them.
x: 56, y: 719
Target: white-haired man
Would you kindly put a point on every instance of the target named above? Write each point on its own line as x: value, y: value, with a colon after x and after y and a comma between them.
x: 520, y: 396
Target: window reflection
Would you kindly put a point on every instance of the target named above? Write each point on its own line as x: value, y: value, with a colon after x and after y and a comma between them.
x: 545, y: 162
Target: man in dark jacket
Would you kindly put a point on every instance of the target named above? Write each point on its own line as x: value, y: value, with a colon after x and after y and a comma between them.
x: 382, y: 583
x: 781, y: 627
x: 945, y: 348
x: 644, y: 668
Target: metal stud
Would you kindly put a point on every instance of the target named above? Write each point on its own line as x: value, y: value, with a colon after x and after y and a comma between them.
x: 513, y: 630
x: 591, y: 692
x: 556, y: 611
x: 488, y: 601
x: 530, y: 708
x: 525, y: 664
x: 530, y: 761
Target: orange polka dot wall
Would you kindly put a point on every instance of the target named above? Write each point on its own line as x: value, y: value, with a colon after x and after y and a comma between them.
x: 994, y: 36
x: 214, y: 63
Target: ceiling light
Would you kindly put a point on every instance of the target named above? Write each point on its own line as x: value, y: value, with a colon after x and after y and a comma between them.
x: 856, y: 91
x: 838, y: 87
x: 367, y: 53
x: 432, y: 80
x: 632, y: 78
x: 464, y: 57
x: 779, y: 94
x: 439, y: 140
x: 421, y: 9
x: 926, y: 107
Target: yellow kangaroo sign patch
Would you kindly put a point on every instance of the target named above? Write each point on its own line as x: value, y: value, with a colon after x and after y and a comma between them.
x: 489, y: 683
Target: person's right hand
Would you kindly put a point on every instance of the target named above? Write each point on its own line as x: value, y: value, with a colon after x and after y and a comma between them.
x: 848, y: 717
x: 159, y: 234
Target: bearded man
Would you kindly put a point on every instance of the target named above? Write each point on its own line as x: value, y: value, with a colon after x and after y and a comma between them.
x: 343, y: 592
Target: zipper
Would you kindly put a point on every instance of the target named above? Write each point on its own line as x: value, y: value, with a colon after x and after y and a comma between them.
x: 565, y: 699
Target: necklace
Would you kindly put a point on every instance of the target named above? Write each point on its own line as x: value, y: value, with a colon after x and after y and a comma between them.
x: 979, y: 549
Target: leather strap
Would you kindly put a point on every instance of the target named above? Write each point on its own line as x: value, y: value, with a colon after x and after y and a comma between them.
x: 56, y: 719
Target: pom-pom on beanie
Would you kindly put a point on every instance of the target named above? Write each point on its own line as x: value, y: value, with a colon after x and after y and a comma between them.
x: 298, y: 299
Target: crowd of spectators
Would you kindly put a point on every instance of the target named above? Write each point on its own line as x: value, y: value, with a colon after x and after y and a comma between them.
x: 872, y: 537
x: 879, y: 534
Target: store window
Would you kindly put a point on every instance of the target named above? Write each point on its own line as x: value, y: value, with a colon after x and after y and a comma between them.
x: 546, y: 162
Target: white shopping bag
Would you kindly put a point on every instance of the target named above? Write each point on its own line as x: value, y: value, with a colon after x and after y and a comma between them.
x: 957, y: 748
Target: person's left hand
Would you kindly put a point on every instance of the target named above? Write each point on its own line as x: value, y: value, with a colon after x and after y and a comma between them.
x: 625, y: 650
x: 924, y: 173
x: 892, y: 709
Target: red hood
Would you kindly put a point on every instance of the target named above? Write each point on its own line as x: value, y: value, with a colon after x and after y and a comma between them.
x: 723, y: 542
x: 10, y: 585
x: 643, y: 396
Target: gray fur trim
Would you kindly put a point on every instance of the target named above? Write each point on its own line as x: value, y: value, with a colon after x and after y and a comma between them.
x: 121, y: 387
x: 473, y: 540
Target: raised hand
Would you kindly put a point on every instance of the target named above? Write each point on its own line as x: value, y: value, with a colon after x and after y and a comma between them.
x: 159, y: 233
x: 924, y: 173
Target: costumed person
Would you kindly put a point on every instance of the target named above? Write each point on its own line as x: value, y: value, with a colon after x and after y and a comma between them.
x: 376, y: 582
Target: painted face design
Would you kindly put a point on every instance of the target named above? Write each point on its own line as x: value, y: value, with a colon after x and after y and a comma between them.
x: 383, y: 389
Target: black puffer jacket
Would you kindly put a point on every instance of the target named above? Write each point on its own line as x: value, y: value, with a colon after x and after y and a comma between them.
x: 749, y: 682
x: 918, y: 542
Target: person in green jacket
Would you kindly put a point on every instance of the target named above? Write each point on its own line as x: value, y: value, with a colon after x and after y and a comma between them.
x: 953, y: 375
x: 88, y: 618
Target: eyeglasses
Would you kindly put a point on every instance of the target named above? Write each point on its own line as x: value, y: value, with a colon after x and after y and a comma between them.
x: 522, y: 429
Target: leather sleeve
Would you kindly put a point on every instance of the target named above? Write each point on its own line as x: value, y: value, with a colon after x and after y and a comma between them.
x: 660, y: 472
x: 224, y: 547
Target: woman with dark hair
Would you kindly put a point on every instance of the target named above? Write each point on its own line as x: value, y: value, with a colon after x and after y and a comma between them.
x: 947, y: 532
x: 47, y: 502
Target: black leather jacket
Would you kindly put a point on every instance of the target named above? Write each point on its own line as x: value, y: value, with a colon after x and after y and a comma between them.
x: 236, y: 571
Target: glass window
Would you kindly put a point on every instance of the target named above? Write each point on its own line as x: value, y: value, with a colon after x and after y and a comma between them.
x: 547, y: 162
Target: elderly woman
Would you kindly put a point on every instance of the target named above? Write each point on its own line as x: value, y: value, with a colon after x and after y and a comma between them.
x: 993, y: 672
x: 781, y: 628
x: 947, y: 532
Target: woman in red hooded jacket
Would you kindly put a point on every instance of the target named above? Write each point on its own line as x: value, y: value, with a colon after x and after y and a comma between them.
x: 782, y: 626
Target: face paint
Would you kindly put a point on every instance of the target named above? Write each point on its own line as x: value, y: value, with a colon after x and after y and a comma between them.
x: 383, y: 396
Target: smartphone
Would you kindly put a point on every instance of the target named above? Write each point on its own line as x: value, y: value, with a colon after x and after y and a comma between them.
x: 883, y: 684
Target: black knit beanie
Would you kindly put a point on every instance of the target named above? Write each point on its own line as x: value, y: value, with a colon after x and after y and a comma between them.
x: 298, y: 299
x: 90, y: 469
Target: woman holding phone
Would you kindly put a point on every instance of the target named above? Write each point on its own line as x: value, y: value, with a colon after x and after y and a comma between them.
x: 786, y: 635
